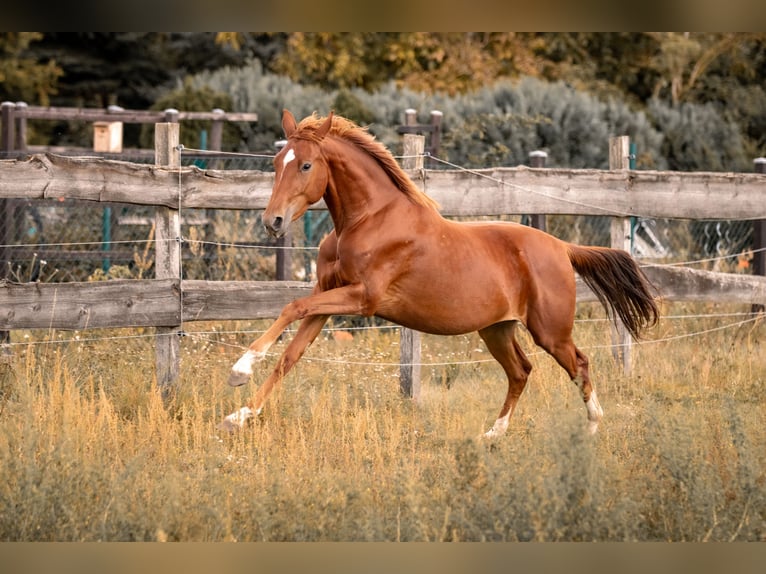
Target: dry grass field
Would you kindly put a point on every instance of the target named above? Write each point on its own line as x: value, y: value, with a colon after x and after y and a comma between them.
x: 89, y: 452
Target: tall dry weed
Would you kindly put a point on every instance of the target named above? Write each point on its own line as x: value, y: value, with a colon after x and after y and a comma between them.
x: 88, y: 450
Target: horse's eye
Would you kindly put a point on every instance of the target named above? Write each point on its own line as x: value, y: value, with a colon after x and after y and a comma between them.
x: 306, y: 166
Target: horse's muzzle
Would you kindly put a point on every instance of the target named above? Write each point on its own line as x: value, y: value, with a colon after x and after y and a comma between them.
x: 276, y: 226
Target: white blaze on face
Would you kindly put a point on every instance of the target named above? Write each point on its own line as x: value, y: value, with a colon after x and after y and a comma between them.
x: 289, y: 156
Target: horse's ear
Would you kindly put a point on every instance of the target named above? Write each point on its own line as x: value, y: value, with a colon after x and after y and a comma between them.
x: 325, y: 127
x: 288, y: 123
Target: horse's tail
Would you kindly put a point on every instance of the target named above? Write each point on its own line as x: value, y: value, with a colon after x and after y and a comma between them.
x: 623, y: 289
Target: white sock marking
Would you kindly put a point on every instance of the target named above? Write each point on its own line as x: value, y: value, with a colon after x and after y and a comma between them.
x: 240, y: 417
x: 246, y: 362
x: 499, y: 428
x: 595, y: 412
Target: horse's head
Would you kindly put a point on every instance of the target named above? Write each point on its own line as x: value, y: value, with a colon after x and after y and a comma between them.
x: 301, y: 175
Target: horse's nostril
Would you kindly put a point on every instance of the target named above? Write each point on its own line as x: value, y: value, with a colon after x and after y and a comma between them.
x: 277, y: 223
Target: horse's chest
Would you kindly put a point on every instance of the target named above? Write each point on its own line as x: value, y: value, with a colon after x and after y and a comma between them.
x: 343, y: 268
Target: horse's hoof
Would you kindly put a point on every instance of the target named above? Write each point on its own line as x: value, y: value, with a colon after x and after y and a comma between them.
x: 237, y: 379
x: 236, y: 420
x: 228, y: 426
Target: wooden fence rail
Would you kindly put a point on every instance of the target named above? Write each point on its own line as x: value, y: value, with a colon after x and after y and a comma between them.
x: 158, y: 302
x: 501, y: 191
x: 168, y: 301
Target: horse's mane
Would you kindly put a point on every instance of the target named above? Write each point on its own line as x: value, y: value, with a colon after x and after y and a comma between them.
x: 361, y: 137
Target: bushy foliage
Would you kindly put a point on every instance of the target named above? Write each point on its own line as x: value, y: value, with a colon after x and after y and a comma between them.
x: 698, y: 138
x: 189, y: 98
x: 252, y: 90
x: 23, y: 78
x: 500, y: 124
x: 511, y: 119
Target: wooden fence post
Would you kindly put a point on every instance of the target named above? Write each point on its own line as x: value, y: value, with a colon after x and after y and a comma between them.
x: 619, y: 158
x: 7, y: 137
x: 216, y: 130
x: 759, y: 239
x: 436, y: 135
x: 7, y: 224
x: 537, y: 159
x: 7, y: 206
x: 167, y: 262
x: 409, y: 340
x: 21, y: 127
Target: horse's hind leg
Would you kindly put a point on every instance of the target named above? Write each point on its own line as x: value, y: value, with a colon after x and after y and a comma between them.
x: 588, y: 392
x: 501, y: 342
x: 575, y: 363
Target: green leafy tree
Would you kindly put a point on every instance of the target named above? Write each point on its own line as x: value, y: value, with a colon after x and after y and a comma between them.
x: 252, y: 89
x: 449, y: 62
x: 24, y: 78
x: 697, y: 137
x: 133, y: 69
x: 189, y: 98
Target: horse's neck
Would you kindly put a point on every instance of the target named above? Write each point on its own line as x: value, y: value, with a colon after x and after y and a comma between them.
x: 358, y: 186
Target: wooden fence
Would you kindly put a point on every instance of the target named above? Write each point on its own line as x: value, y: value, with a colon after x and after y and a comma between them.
x: 168, y: 301
x: 13, y: 128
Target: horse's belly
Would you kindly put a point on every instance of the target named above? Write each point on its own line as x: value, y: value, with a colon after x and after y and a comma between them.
x: 450, y: 311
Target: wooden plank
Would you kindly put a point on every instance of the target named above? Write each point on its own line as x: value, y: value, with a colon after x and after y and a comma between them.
x: 90, y: 305
x: 50, y: 254
x: 520, y: 190
x: 141, y: 303
x: 156, y: 302
x: 235, y: 300
x: 57, y: 177
x: 126, y: 116
x: 91, y: 114
x: 684, y: 284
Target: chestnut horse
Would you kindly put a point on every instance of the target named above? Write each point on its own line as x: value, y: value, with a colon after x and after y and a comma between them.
x: 391, y: 254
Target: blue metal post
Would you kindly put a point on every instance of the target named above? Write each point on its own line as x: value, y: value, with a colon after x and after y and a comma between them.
x: 106, y: 237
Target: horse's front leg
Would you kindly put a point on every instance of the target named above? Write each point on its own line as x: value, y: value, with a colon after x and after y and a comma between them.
x: 347, y: 300
x: 314, y: 310
x: 307, y: 332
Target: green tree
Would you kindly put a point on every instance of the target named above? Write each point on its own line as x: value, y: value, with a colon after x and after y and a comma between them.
x: 449, y: 62
x: 683, y: 60
x: 189, y: 98
x: 133, y: 69
x: 24, y: 78
x: 697, y: 137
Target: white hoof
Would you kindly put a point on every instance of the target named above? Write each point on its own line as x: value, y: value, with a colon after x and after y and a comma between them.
x: 498, y: 429
x: 236, y: 420
x: 595, y: 413
x: 243, y: 368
